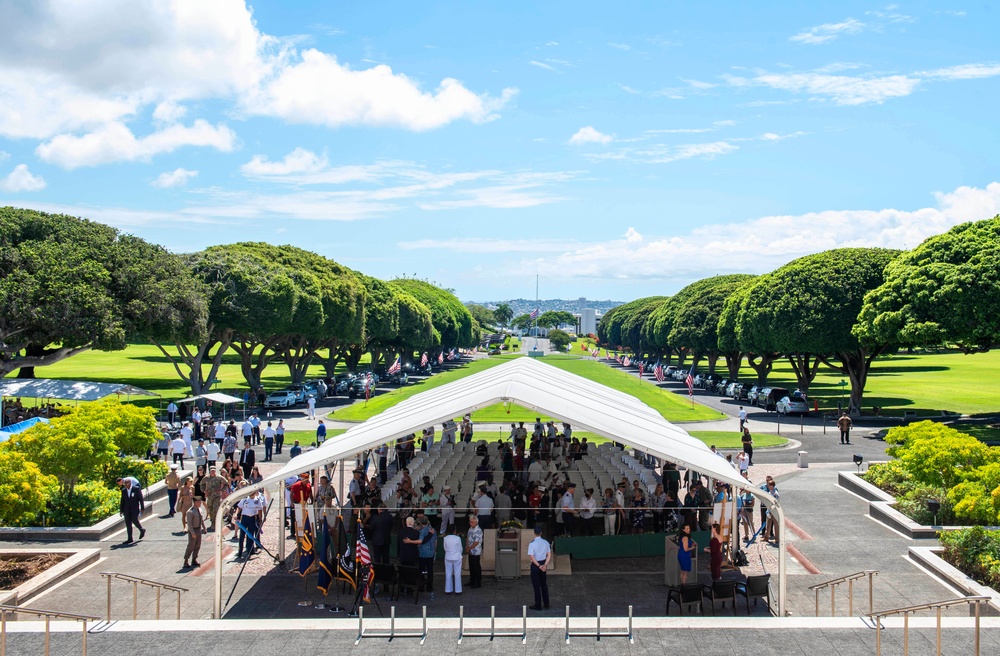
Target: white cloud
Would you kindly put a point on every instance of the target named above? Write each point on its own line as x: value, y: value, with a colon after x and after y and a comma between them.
x: 767, y: 242
x: 319, y: 90
x: 665, y: 155
x: 963, y: 72
x: 92, y: 68
x: 176, y: 178
x: 773, y: 136
x: 539, y: 64
x: 628, y: 89
x: 21, y: 179
x: 552, y: 43
x: 299, y: 160
x: 828, y: 32
x: 588, y: 134
x: 115, y: 142
x: 841, y: 89
x: 620, y: 46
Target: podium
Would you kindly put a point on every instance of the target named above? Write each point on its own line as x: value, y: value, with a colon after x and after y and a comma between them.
x: 508, y: 554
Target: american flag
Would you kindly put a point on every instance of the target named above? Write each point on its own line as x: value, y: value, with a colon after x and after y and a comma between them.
x: 609, y: 356
x: 626, y: 362
x: 441, y: 357
x: 658, y: 373
x: 451, y: 355
x: 642, y: 368
x: 534, y: 314
x: 396, y: 367
x: 365, y: 571
x: 689, y: 381
x: 370, y: 387
x: 423, y: 360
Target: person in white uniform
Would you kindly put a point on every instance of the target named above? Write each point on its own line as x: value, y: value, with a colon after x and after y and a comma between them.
x: 539, y: 551
x: 452, y: 561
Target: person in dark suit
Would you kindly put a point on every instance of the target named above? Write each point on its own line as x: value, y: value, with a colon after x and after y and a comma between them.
x: 131, y: 507
x: 248, y: 458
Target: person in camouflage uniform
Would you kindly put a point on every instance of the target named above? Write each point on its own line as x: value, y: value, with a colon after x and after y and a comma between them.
x: 213, y: 486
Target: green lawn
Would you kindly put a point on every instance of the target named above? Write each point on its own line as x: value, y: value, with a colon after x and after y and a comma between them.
x: 307, y: 437
x: 927, y: 383
x: 721, y: 439
x: 981, y: 432
x: 671, y: 406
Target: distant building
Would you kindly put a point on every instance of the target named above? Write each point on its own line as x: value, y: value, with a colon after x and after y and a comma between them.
x: 587, y: 320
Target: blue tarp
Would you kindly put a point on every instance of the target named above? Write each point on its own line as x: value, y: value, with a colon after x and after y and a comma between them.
x: 20, y: 427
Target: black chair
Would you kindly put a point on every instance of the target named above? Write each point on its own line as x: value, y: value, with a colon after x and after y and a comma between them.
x: 720, y: 591
x: 685, y: 595
x: 754, y: 588
x: 408, y: 578
x: 385, y: 575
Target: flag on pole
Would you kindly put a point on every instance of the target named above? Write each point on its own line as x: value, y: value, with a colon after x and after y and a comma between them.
x: 441, y: 357
x: 324, y: 576
x: 451, y: 355
x: 364, y: 569
x: 307, y: 550
x: 345, y: 567
x: 642, y: 367
x: 689, y: 381
x: 608, y: 354
x: 534, y: 314
x: 395, y: 368
x: 370, y: 387
x: 423, y: 360
x: 658, y: 373
x: 627, y: 362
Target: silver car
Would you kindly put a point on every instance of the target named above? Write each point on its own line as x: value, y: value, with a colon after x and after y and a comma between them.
x: 792, y: 405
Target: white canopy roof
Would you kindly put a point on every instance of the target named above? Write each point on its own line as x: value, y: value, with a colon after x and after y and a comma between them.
x: 585, y: 404
x: 215, y: 397
x: 69, y: 390
x: 528, y: 382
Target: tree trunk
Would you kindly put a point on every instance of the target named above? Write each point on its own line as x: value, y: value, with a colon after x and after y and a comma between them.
x: 682, y: 354
x: 31, y: 351
x: 353, y: 358
x: 43, y: 359
x: 298, y: 355
x: 188, y: 364
x: 856, y: 365
x: 713, y: 359
x: 805, y: 366
x: 254, y: 361
x: 734, y: 359
x: 763, y: 366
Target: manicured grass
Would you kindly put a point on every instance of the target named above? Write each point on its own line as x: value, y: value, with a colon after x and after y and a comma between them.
x: 927, y: 383
x: 672, y: 407
x: 731, y: 439
x: 307, y: 437
x: 982, y: 432
x: 721, y: 439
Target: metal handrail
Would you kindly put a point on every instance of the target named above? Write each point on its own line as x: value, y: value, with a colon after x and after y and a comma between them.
x: 48, y: 615
x: 136, y: 581
x: 849, y: 579
x: 905, y: 611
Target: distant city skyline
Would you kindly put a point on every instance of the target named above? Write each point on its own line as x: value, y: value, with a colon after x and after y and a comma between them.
x: 615, y: 152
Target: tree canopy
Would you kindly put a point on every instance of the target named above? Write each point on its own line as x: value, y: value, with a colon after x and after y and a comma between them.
x: 696, y: 316
x: 68, y: 285
x: 947, y: 289
x: 811, y: 305
x: 555, y: 318
x: 452, y: 320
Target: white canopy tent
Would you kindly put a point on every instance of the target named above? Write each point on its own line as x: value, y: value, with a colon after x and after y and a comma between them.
x: 214, y: 397
x: 66, y: 390
x: 587, y: 405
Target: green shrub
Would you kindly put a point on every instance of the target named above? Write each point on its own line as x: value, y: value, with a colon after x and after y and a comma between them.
x: 145, y: 472
x: 888, y: 476
x: 975, y: 551
x: 89, y: 503
x: 913, y: 503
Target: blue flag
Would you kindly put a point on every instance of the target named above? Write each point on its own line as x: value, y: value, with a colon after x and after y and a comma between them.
x: 325, y: 576
x: 307, y: 550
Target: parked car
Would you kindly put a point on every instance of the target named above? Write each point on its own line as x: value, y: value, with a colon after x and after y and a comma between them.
x: 733, y: 389
x: 280, y: 399
x: 360, y: 386
x: 300, y: 392
x: 769, y: 397
x: 669, y: 371
x: 342, y: 383
x: 752, y: 394
x: 399, y: 378
x: 722, y: 386
x: 796, y: 404
x: 310, y: 388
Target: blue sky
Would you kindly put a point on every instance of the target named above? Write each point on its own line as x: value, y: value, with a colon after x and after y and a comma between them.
x: 615, y: 150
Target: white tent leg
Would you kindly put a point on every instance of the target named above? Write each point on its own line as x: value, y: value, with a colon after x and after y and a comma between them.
x: 219, y: 523
x: 281, y: 521
x: 782, y: 573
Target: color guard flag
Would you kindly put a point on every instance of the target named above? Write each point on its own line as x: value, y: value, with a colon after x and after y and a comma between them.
x: 364, y: 568
x: 325, y: 575
x: 307, y: 550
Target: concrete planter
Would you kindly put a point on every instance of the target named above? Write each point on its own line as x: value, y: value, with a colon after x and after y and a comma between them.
x: 930, y: 559
x: 99, y: 531
x: 881, y: 507
x: 76, y: 560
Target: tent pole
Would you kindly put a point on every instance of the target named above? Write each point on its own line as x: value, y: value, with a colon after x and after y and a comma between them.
x: 219, y: 522
x: 782, y: 578
x: 281, y: 520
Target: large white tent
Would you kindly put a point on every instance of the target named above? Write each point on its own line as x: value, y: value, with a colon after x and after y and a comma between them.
x: 587, y: 405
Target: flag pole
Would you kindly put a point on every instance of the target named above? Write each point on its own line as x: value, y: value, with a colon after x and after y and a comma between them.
x: 536, y: 311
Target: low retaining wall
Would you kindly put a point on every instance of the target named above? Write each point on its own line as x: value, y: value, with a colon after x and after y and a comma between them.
x: 76, y: 560
x: 929, y: 558
x: 881, y: 508
x: 99, y: 531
